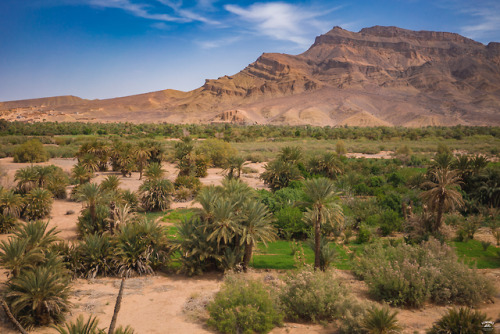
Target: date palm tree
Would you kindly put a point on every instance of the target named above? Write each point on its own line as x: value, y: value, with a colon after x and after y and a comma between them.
x: 37, y: 234
x: 81, y: 173
x: 256, y: 227
x: 92, y: 195
x: 322, y: 208
x: 15, y: 255
x: 278, y: 174
x: 141, y: 154
x: 11, y: 204
x: 38, y: 297
x: 234, y: 166
x: 443, y: 193
x: 38, y: 204
x: 26, y: 179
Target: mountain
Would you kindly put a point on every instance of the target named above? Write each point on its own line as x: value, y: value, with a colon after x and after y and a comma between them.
x: 377, y: 76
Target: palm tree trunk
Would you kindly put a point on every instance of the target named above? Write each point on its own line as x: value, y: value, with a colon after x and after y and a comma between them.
x: 93, y: 214
x: 117, y: 308
x: 317, y: 242
x: 11, y: 317
x: 248, y: 255
x: 439, y: 215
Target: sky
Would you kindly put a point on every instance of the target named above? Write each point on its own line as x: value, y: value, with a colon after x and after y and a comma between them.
x: 99, y: 49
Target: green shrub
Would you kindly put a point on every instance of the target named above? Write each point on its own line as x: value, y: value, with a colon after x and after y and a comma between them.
x: 189, y: 182
x: 217, y: 150
x: 312, y: 296
x: 290, y: 224
x: 463, y: 320
x: 31, y: 151
x: 411, y: 275
x: 243, y: 306
x: 390, y: 222
x: 364, y: 234
x: 86, y: 225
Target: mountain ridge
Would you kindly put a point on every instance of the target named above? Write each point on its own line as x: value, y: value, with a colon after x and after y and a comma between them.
x: 377, y: 76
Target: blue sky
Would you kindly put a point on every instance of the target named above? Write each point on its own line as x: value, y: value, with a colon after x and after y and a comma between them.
x: 109, y: 48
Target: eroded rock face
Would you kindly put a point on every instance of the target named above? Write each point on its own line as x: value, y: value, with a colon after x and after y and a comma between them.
x: 379, y: 75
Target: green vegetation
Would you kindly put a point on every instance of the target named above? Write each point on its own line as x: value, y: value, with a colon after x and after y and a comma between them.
x: 30, y: 151
x: 243, y: 306
x: 463, y: 320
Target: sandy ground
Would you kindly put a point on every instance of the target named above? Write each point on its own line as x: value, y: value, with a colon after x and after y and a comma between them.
x: 154, y: 304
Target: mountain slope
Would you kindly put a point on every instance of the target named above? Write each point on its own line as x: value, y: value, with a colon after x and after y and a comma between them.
x: 378, y: 76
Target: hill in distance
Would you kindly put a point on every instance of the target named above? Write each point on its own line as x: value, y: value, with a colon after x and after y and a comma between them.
x: 377, y: 76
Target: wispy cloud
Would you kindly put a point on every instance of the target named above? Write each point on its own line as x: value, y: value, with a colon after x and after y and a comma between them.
x: 177, y: 13
x: 282, y: 21
x: 487, y: 20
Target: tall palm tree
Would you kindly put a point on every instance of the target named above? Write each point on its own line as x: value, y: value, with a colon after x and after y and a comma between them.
x: 443, y: 194
x: 256, y: 226
x: 89, y: 161
x: 323, y: 208
x: 224, y: 222
x: 141, y: 154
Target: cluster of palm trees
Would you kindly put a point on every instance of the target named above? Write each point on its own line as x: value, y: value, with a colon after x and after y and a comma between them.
x: 223, y: 233
x: 37, y: 291
x: 289, y: 167
x: 32, y: 198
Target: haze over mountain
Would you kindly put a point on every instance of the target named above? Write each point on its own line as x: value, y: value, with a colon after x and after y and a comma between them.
x: 377, y: 76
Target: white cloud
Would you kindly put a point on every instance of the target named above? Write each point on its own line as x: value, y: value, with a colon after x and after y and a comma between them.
x: 282, y: 21
x: 488, y: 21
x: 150, y: 12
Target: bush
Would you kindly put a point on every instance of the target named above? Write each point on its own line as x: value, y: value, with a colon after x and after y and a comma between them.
x: 95, y: 254
x: 364, y: 234
x: 463, y: 320
x: 190, y: 182
x: 381, y: 321
x: 217, y: 150
x: 312, y: 296
x: 411, y: 275
x: 31, y: 151
x: 390, y: 222
x: 243, y: 306
x: 290, y: 224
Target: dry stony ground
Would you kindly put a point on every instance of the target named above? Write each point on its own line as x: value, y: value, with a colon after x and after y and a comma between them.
x: 156, y: 304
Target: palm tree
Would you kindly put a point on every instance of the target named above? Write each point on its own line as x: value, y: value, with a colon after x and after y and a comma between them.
x: 38, y: 204
x: 256, y: 226
x: 443, y: 194
x: 89, y: 161
x: 234, y: 166
x: 37, y: 235
x: 141, y: 155
x: 331, y: 165
x: 224, y: 223
x: 154, y: 171
x: 39, y: 296
x: 381, y: 321
x: 279, y: 174
x: 11, y: 204
x: 81, y: 173
x: 156, y: 194
x: 26, y: 179
x: 291, y: 154
x: 323, y: 208
x: 81, y: 326
x: 110, y: 183
x: 92, y: 195
x: 15, y: 255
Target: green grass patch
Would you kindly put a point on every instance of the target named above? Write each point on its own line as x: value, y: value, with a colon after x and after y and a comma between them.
x: 177, y: 215
x: 153, y: 215
x: 278, y: 255
x: 472, y: 253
